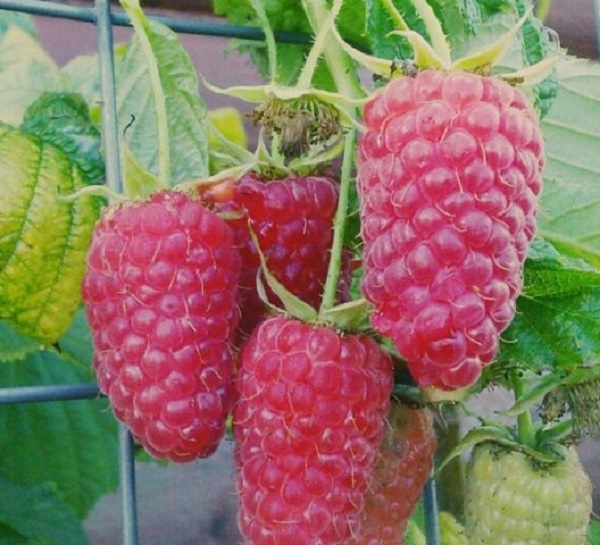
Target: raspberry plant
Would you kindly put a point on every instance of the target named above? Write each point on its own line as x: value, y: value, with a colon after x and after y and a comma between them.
x: 467, y: 193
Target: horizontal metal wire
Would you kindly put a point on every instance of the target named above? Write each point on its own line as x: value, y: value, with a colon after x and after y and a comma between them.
x: 36, y: 394
x: 187, y: 25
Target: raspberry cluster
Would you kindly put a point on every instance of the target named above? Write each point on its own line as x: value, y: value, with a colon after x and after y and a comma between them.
x: 449, y: 176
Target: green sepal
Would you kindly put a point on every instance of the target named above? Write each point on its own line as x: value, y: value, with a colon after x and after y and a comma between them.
x: 548, y: 383
x: 224, y: 152
x: 548, y: 453
x: 552, y: 437
x: 305, y: 165
x: 425, y: 54
x: 581, y: 374
x: 534, y: 74
x: 349, y: 316
x: 258, y: 94
x: 491, y: 54
x: 497, y: 434
x: 248, y: 93
x: 534, y: 395
x: 383, y: 67
x: 292, y: 305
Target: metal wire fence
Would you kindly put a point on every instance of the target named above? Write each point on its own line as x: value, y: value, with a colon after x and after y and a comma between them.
x: 104, y: 17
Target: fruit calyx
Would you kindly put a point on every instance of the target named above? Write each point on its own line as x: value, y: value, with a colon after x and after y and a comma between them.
x: 437, y: 54
x: 543, y: 453
x: 304, y: 123
x: 298, y: 123
x: 348, y: 316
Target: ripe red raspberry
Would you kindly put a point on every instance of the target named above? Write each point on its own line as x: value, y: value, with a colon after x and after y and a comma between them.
x: 307, y: 424
x: 449, y: 175
x: 292, y: 218
x: 405, y: 460
x: 160, y: 294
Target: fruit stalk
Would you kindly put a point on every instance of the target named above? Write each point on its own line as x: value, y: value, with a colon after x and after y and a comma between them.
x: 525, y: 427
x: 340, y: 66
x: 335, y: 261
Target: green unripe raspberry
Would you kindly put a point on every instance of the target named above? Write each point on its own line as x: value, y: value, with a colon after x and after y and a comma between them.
x: 512, y: 500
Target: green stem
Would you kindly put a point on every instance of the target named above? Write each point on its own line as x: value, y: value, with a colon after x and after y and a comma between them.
x: 263, y: 20
x: 525, y: 427
x: 139, y: 23
x: 347, y: 82
x: 434, y: 29
x: 542, y: 9
x: 395, y: 15
x: 339, y: 225
x: 339, y: 63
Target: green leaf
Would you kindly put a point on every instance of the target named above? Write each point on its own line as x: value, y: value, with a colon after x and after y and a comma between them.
x: 82, y: 75
x: 43, y: 239
x: 38, y: 513
x: 136, y: 179
x: 536, y: 46
x: 64, y: 120
x: 288, y: 15
x: 26, y: 71
x: 594, y: 534
x: 556, y: 325
x: 72, y: 444
x: 13, y: 345
x: 557, y: 318
x: 460, y: 20
x: 571, y: 196
x: 289, y: 56
x: 139, y: 105
x: 9, y: 536
x: 379, y: 26
x: 23, y: 21
x: 75, y: 345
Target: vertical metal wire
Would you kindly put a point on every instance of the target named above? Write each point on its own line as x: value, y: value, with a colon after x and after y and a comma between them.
x: 128, y: 492
x: 597, y: 18
x: 110, y: 133
x: 110, y: 127
x: 432, y: 523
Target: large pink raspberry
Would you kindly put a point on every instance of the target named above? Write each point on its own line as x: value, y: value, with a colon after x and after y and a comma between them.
x: 307, y: 425
x: 292, y: 218
x: 449, y: 175
x: 160, y: 295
